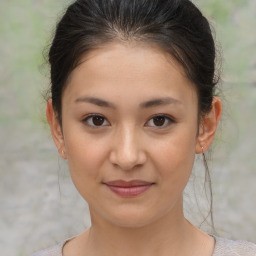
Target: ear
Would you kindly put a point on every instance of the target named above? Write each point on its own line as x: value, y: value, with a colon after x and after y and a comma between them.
x: 56, y: 130
x: 208, y: 126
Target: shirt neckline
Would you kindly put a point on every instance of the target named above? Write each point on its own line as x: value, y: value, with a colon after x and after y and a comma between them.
x: 216, y: 245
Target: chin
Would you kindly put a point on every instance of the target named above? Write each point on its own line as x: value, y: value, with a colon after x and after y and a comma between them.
x: 132, y: 218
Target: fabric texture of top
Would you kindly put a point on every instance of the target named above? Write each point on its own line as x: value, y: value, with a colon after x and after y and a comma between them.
x: 223, y: 247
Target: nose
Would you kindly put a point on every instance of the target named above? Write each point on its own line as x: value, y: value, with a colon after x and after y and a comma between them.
x: 127, y: 150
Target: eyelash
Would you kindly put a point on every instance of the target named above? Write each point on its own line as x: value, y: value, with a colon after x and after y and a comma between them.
x: 167, y: 117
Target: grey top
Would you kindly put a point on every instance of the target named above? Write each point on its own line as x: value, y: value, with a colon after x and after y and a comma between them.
x: 223, y: 247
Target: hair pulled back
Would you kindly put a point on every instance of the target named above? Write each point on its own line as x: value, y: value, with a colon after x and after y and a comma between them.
x: 176, y: 26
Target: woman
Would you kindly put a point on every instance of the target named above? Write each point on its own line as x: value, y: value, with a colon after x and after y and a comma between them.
x: 132, y: 102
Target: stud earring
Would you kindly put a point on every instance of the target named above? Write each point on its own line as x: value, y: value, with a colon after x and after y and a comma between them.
x: 202, y: 149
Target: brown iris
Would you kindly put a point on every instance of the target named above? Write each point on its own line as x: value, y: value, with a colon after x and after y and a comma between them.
x: 159, y: 120
x: 98, y: 120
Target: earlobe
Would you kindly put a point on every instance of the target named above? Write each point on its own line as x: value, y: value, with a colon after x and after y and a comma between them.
x: 208, y: 126
x: 56, y: 130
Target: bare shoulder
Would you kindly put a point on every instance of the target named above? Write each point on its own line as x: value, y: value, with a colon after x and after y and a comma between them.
x: 226, y: 247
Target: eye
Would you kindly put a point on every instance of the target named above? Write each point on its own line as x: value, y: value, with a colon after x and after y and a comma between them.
x: 95, y: 120
x: 160, y: 121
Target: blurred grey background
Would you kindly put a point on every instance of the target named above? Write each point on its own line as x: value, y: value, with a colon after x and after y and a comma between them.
x: 38, y: 203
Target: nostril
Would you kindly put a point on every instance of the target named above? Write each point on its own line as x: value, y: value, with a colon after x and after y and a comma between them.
x: 127, y: 162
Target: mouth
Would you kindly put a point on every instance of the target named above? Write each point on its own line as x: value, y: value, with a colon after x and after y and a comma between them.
x: 131, y: 188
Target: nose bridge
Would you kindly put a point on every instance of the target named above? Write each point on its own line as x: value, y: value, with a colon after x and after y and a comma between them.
x: 127, y: 150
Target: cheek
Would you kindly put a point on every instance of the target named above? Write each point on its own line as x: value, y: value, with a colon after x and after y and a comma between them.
x: 174, y: 157
x: 85, y: 156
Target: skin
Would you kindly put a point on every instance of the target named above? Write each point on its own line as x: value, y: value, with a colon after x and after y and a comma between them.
x: 129, y: 145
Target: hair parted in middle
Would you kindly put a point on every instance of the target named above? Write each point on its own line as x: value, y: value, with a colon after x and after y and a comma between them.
x: 177, y: 27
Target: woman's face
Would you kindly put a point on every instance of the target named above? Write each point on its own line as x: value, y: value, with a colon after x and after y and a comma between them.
x: 129, y: 120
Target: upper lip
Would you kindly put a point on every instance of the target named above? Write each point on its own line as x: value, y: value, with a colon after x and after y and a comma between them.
x: 127, y: 184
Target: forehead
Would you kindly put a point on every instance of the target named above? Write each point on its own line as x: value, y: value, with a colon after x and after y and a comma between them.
x: 129, y: 71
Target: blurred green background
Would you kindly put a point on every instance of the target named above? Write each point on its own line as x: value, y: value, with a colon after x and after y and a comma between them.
x: 33, y: 213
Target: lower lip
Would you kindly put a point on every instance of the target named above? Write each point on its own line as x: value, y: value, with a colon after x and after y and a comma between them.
x: 129, y: 191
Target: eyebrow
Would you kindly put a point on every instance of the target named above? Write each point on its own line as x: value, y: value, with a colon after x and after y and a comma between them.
x: 96, y: 101
x: 146, y: 104
x: 159, y: 101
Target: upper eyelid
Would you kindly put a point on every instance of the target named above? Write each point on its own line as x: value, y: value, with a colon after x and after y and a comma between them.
x: 92, y: 115
x: 163, y: 115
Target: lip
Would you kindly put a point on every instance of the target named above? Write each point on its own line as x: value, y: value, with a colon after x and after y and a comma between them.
x: 131, y: 188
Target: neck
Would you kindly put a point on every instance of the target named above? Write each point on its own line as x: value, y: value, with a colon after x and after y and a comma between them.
x: 169, y: 235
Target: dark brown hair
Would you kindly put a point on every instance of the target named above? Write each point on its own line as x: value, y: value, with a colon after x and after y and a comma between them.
x: 176, y: 26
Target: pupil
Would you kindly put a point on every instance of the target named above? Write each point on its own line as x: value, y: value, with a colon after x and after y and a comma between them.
x: 159, y: 121
x: 98, y: 120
